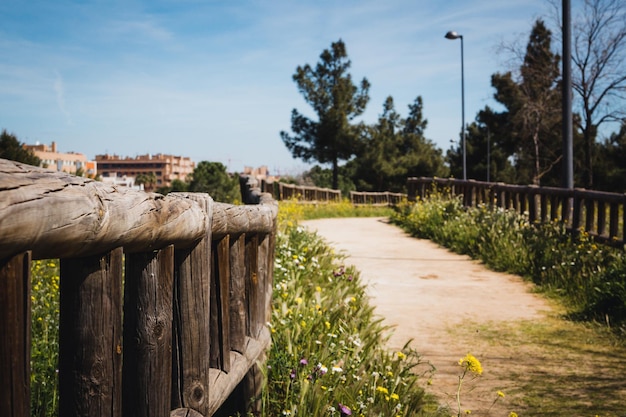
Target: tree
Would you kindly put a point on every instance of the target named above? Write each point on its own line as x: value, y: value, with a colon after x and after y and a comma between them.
x: 533, y: 115
x: 395, y: 148
x: 611, y: 173
x: 12, y: 149
x: 598, y: 70
x: 337, y: 101
x: 212, y: 178
x: 147, y: 179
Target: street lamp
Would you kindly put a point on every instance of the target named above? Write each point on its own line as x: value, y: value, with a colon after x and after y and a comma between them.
x: 453, y: 35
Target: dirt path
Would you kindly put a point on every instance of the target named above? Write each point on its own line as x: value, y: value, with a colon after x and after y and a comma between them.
x: 451, y: 305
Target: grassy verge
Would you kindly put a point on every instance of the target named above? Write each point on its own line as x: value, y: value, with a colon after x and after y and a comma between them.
x: 551, y: 367
x: 328, y: 356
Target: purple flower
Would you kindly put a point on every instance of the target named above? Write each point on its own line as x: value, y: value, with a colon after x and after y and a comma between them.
x: 344, y: 410
x: 304, y: 362
x: 292, y: 375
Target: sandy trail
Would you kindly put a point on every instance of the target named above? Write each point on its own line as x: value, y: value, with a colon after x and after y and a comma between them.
x: 425, y: 291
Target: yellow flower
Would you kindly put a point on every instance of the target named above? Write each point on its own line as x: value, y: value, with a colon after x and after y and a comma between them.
x: 401, y: 355
x: 500, y: 394
x: 395, y: 396
x: 303, y: 323
x: 512, y: 414
x: 327, y: 324
x: 470, y: 363
x: 299, y: 300
x: 318, y: 289
x: 468, y: 411
x: 382, y: 390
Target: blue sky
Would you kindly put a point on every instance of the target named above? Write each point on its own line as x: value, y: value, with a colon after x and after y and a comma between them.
x: 212, y: 80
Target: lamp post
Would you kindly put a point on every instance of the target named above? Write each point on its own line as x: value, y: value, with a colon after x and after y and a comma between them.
x: 453, y: 35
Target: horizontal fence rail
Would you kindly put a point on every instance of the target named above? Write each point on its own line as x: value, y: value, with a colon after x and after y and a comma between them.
x: 385, y: 198
x: 284, y: 191
x: 164, y: 299
x: 600, y: 214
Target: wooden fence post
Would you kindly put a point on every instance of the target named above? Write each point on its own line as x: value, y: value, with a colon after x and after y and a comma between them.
x: 146, y: 382
x: 220, y: 310
x: 90, y: 336
x: 15, y: 335
x: 191, y: 321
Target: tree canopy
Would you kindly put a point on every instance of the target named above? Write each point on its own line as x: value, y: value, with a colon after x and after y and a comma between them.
x: 336, y: 100
x: 212, y: 178
x: 11, y: 148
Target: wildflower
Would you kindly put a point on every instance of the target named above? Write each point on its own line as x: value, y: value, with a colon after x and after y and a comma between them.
x: 512, y: 414
x: 471, y: 364
x: 500, y: 394
x: 304, y: 362
x: 299, y: 300
x: 344, y: 410
x: 382, y: 390
x: 395, y: 396
x: 401, y: 355
x: 318, y: 289
x: 468, y: 411
x: 336, y: 369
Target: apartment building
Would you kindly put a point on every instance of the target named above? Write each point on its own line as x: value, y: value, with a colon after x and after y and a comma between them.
x: 166, y: 168
x: 69, y: 162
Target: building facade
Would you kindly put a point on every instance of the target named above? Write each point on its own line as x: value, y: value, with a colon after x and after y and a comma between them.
x: 163, y: 169
x: 70, y: 162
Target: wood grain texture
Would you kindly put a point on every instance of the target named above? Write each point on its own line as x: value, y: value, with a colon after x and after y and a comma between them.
x: 15, y: 336
x: 147, y: 368
x: 224, y: 383
x: 57, y: 215
x: 90, y: 342
x: 191, y: 326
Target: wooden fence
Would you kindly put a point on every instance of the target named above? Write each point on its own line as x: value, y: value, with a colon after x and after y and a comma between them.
x: 284, y: 191
x: 164, y: 300
x: 600, y: 214
x: 376, y: 198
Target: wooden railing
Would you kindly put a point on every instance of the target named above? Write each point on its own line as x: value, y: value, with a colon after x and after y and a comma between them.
x: 164, y: 300
x: 385, y: 198
x: 284, y: 191
x: 600, y: 214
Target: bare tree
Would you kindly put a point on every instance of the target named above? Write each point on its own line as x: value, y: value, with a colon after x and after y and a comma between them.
x: 599, y: 68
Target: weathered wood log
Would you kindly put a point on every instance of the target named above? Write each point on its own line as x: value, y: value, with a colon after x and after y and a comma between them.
x: 220, y: 310
x: 224, y: 383
x: 253, y: 286
x: 191, y: 326
x: 146, y: 381
x: 238, y: 299
x: 229, y: 219
x: 15, y: 336
x: 90, y: 351
x: 57, y: 215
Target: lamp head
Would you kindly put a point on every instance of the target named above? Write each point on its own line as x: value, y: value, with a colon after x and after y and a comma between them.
x: 453, y: 35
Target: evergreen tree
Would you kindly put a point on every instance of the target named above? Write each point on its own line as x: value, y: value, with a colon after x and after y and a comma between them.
x: 610, y: 173
x: 337, y: 101
x: 212, y: 178
x: 533, y: 111
x: 12, y: 149
x: 395, y: 149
